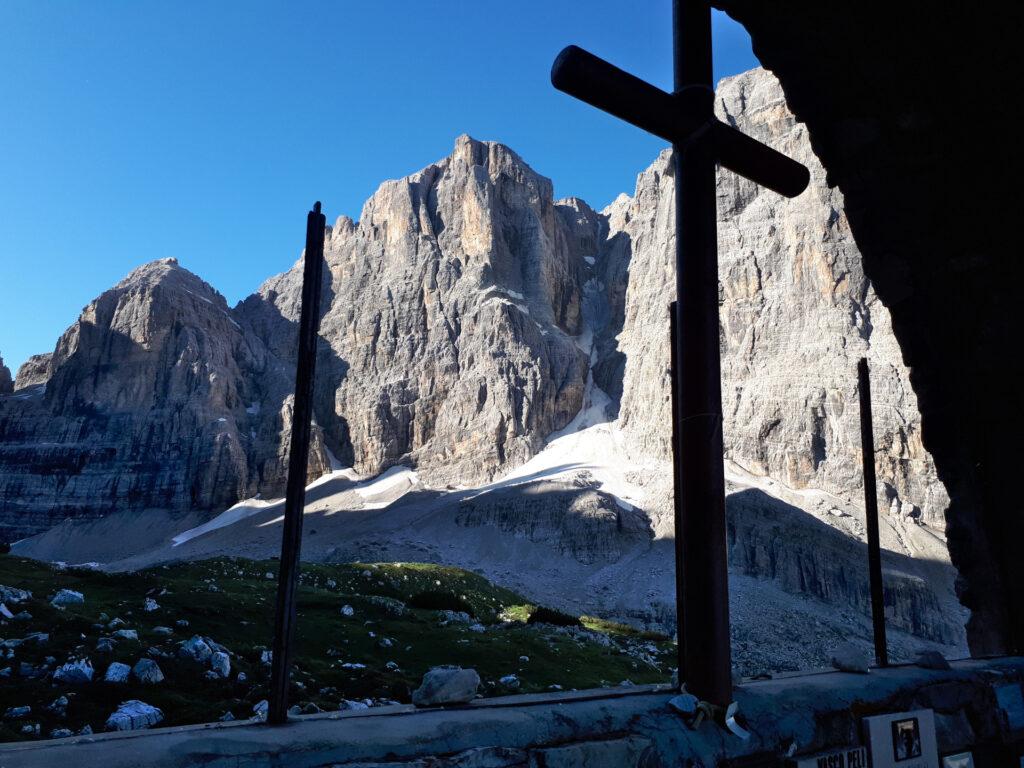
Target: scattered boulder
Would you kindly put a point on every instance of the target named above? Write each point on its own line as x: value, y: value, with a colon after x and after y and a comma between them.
x: 181, y: 623
x: 86, y: 730
x: 227, y: 717
x: 16, y: 713
x: 260, y: 709
x: 147, y: 671
x: 127, y: 634
x: 59, y: 706
x: 116, y: 622
x: 104, y: 645
x: 30, y: 729
x: 221, y: 664
x: 61, y: 733
x: 266, y: 657
x: 163, y: 631
x: 849, y: 657
x: 346, y: 704
x: 117, y: 673
x: 196, y: 649
x: 13, y: 595
x: 134, y: 715
x: 446, y: 685
x: 149, y: 605
x: 510, y: 681
x: 5, y: 612
x: 454, y: 617
x: 74, y: 673
x: 67, y: 597
x: 347, y: 610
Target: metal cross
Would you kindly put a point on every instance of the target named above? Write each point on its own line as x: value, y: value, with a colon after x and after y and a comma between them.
x: 699, y: 140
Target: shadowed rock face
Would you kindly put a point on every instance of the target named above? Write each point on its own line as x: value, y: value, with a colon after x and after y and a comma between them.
x: 34, y: 372
x: 6, y: 383
x: 142, y: 408
x: 797, y: 312
x: 926, y: 165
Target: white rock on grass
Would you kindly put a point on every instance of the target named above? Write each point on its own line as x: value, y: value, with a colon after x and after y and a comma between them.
x: 150, y: 605
x: 127, y: 634
x: 134, y: 715
x: 446, y: 685
x: 61, y: 733
x: 5, y: 612
x: 163, y: 631
x: 16, y: 713
x: 117, y: 673
x: 147, y: 671
x: 346, y: 704
x: 74, y: 673
x: 510, y: 681
x: 347, y: 610
x: 196, y: 649
x: 67, y: 597
x: 849, y: 657
x: 221, y: 664
x: 13, y: 594
x: 260, y: 709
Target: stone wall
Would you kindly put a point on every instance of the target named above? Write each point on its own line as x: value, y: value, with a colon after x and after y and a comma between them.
x: 629, y: 728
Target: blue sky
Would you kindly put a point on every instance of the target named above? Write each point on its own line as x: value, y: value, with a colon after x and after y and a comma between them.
x: 205, y: 130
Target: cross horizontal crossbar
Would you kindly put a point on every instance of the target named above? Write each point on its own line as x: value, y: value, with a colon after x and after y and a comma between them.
x: 592, y: 79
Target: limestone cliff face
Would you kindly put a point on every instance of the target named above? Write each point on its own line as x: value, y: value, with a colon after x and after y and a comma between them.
x: 796, y: 312
x: 450, y: 311
x: 34, y: 372
x: 144, y: 407
x: 6, y: 383
x: 447, y: 343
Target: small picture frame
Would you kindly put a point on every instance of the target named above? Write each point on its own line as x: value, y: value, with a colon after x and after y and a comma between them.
x: 906, y: 739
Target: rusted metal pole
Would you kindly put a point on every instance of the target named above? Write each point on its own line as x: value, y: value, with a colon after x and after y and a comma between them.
x: 298, y: 459
x: 867, y: 446
x: 677, y: 486
x: 697, y: 380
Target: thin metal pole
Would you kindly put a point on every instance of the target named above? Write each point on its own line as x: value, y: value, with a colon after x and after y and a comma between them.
x: 697, y: 381
x: 677, y: 485
x: 867, y: 447
x: 295, y: 496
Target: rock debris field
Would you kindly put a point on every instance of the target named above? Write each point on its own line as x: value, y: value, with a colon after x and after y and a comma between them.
x: 83, y: 651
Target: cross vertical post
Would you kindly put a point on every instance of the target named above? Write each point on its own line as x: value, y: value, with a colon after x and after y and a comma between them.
x: 699, y: 141
x: 867, y: 448
x: 700, y: 508
x: 677, y: 488
x: 298, y: 462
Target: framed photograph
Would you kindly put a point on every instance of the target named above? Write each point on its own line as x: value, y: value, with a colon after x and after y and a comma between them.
x: 906, y: 739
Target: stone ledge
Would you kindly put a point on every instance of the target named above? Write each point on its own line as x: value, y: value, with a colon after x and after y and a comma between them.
x: 622, y: 727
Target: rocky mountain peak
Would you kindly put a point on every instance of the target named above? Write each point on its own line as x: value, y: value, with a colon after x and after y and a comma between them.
x: 6, y: 383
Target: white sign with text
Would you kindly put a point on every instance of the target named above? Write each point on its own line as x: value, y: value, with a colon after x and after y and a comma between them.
x: 902, y: 740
